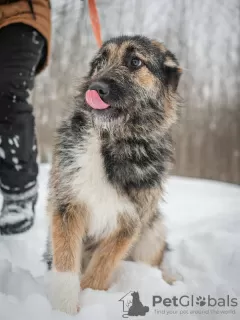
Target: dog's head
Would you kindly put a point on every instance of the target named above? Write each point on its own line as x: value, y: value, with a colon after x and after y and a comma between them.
x: 132, y: 80
x: 135, y: 295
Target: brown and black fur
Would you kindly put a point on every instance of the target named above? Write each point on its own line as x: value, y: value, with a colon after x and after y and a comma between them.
x: 131, y: 142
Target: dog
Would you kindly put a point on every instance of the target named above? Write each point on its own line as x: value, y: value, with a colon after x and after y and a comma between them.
x: 111, y: 157
x: 137, y: 308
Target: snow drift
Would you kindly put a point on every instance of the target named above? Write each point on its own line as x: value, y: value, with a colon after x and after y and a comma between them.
x: 203, y: 219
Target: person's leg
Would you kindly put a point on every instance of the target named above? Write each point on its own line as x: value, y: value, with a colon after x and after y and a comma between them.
x: 21, y: 50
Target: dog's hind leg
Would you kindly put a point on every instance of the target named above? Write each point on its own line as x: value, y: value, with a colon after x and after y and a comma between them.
x: 151, y: 246
x: 67, y: 231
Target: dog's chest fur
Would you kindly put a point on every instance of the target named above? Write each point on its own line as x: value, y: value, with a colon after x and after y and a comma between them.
x: 91, y: 186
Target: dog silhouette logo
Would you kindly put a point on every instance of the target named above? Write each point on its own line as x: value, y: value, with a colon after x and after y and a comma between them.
x: 132, y: 305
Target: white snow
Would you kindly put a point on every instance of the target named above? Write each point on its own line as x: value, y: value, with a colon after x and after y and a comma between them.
x: 5, y: 186
x: 30, y: 184
x: 34, y: 38
x: 2, y: 153
x: 15, y: 160
x: 16, y: 141
x: 18, y: 167
x: 203, y: 218
x: 10, y: 216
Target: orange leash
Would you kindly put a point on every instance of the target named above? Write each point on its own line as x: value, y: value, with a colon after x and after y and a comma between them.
x: 95, y: 22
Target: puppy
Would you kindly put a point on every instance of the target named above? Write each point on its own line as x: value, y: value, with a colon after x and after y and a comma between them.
x: 111, y: 158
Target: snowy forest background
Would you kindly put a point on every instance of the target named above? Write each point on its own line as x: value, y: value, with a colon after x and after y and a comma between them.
x: 204, y: 35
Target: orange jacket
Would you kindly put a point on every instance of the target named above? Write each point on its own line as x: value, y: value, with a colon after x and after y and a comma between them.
x: 19, y: 11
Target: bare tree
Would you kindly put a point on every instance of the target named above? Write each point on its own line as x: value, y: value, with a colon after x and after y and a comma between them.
x: 205, y: 35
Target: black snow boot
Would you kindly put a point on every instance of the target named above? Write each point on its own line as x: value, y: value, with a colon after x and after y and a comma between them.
x: 18, y: 212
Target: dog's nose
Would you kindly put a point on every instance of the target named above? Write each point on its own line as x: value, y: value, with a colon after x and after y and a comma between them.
x: 101, y: 87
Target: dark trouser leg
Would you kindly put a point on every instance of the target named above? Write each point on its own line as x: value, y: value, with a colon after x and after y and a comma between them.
x: 21, y: 50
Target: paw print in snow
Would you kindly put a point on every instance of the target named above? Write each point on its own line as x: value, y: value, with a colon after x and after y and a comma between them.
x: 200, y: 301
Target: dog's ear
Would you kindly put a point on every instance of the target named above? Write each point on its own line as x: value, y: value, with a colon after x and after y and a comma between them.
x: 160, y: 46
x: 172, y: 69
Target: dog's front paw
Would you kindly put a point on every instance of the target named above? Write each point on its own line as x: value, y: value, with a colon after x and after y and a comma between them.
x: 63, y: 291
x: 169, y: 277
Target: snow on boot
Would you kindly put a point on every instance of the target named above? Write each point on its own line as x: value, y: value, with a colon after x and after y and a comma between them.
x: 18, y: 212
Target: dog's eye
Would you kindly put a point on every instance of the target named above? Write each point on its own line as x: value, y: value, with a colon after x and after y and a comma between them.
x: 135, y: 62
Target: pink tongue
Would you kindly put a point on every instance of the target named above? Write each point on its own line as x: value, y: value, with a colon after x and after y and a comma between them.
x: 93, y: 100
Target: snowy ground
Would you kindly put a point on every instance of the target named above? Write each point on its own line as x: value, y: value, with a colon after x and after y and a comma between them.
x: 204, y: 231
